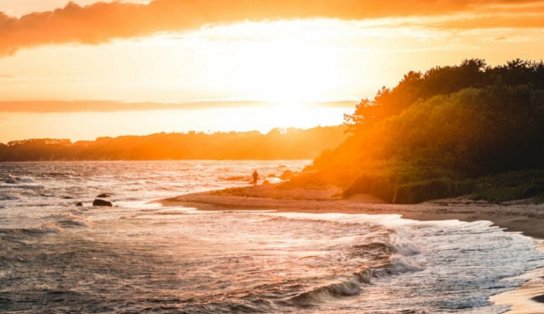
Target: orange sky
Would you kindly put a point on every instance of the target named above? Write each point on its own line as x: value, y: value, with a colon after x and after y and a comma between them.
x: 286, y: 54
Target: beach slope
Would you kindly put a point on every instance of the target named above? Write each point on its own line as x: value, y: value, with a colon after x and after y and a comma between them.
x: 517, y: 216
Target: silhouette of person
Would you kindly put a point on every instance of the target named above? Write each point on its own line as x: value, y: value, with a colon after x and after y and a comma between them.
x: 255, y: 176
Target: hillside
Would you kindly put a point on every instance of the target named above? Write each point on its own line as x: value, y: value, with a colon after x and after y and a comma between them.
x: 454, y: 130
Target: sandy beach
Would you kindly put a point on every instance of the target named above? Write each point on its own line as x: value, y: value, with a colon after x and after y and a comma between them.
x: 515, y: 216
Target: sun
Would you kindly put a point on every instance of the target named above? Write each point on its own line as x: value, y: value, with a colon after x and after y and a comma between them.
x: 281, y: 61
x: 292, y: 73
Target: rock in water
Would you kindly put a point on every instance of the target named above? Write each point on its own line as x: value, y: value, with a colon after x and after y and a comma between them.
x: 79, y: 204
x: 104, y: 195
x: 103, y: 203
x: 10, y: 180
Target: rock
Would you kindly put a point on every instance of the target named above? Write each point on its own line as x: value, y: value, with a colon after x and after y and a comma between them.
x: 103, y: 195
x: 10, y: 180
x: 79, y: 204
x: 102, y: 203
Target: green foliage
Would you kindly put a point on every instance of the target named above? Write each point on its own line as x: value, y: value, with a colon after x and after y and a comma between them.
x: 431, y: 189
x: 381, y: 186
x: 435, y: 133
x: 512, y: 185
x: 409, y: 189
x: 417, y: 86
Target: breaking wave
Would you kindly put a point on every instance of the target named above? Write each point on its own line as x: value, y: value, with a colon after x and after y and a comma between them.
x: 137, y: 257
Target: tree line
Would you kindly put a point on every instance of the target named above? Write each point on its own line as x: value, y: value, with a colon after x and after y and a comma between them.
x: 276, y: 144
x: 443, y: 133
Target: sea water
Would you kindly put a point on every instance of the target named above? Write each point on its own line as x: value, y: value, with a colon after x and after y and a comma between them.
x: 141, y: 257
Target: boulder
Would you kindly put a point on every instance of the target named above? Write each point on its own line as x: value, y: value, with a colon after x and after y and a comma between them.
x: 104, y: 195
x: 102, y: 203
x: 10, y: 180
x: 79, y: 204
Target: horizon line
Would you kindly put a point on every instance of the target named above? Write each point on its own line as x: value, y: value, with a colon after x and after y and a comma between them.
x: 190, y: 132
x: 82, y: 106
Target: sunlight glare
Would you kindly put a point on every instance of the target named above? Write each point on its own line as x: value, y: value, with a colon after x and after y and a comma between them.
x: 293, y: 73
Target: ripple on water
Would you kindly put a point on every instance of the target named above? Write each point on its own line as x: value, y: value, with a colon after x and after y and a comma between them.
x: 138, y: 258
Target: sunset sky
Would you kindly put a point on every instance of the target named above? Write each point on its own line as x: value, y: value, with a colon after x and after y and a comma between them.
x: 240, y: 64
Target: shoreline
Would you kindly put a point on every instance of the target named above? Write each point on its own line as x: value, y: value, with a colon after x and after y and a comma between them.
x: 517, y: 217
x: 527, y: 219
x: 529, y: 297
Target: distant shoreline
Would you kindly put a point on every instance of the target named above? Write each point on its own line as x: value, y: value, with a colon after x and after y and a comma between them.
x: 277, y: 144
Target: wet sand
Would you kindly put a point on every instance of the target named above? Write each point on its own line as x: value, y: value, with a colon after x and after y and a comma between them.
x: 518, y: 217
x: 529, y: 298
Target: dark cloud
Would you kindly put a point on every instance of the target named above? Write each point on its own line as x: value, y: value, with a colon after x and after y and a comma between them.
x: 102, y: 22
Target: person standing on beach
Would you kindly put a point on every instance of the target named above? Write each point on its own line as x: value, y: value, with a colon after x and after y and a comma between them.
x: 255, y: 176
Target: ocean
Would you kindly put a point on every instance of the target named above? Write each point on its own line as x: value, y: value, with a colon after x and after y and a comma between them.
x: 140, y: 257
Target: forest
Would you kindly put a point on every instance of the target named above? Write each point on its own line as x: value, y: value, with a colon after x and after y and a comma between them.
x: 276, y: 144
x: 453, y: 130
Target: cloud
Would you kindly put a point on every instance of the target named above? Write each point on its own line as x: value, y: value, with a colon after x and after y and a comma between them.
x: 111, y: 106
x: 492, y: 21
x: 115, y: 106
x: 103, y: 22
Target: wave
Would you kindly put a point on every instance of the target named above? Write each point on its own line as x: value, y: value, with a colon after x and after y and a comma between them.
x: 25, y: 179
x: 22, y: 186
x: 351, y: 286
x: 44, y: 229
x: 302, y: 218
x: 326, y: 293
x: 171, y: 212
x: 236, y: 178
x: 388, y: 258
x: 34, y: 231
x: 9, y: 197
x: 58, y: 174
x: 225, y: 307
x: 9, y: 179
x: 70, y: 221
